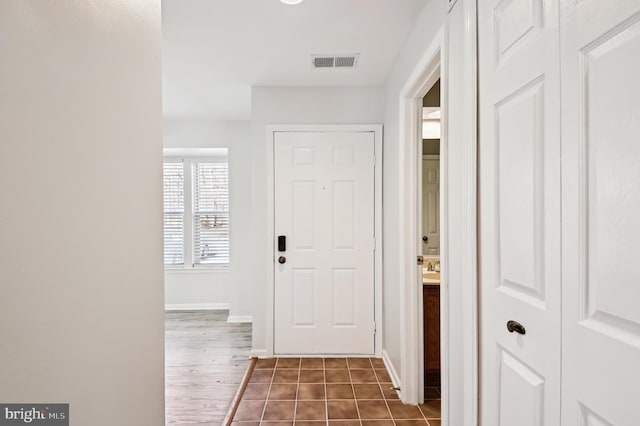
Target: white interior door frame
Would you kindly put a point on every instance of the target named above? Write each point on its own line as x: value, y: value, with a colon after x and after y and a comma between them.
x: 429, y: 69
x: 432, y: 66
x: 376, y: 129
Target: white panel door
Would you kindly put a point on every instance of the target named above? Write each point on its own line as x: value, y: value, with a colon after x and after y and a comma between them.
x: 324, y: 206
x: 600, y: 46
x: 431, y: 207
x: 519, y: 189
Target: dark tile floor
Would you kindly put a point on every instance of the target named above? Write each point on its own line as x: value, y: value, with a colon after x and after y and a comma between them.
x: 329, y: 391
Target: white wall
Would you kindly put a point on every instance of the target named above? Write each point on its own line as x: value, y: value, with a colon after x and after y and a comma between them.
x: 280, y: 105
x: 462, y: 141
x: 422, y: 34
x: 81, y: 285
x: 220, y: 286
x: 456, y: 203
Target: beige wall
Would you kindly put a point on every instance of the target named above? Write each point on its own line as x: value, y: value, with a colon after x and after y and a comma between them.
x: 432, y: 98
x: 81, y: 286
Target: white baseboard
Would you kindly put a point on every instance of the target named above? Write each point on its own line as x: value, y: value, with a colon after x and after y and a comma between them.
x: 259, y: 353
x: 395, y: 378
x: 240, y: 319
x: 195, y: 306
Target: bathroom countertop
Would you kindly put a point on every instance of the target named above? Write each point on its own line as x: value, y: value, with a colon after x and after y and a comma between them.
x: 430, y: 277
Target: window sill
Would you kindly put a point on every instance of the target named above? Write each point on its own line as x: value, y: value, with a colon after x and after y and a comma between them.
x: 213, y: 269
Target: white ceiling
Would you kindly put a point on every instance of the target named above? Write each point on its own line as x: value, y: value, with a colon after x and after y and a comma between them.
x: 215, y: 50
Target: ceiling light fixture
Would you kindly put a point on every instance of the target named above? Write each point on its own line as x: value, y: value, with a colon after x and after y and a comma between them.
x: 291, y: 1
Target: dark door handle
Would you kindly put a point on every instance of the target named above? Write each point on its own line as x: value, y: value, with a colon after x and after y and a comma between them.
x: 425, y: 239
x: 282, y: 259
x: 515, y: 326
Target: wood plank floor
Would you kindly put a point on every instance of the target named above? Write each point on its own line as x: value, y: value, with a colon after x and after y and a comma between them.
x: 205, y: 360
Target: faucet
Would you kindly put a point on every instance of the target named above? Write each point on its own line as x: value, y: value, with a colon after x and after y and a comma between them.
x: 429, y: 265
x: 436, y: 266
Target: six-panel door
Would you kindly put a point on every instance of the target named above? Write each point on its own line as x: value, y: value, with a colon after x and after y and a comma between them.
x: 431, y: 207
x: 324, y: 205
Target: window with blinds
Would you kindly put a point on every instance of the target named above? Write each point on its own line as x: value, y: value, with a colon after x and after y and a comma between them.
x: 211, y: 213
x: 196, y: 211
x: 173, y: 213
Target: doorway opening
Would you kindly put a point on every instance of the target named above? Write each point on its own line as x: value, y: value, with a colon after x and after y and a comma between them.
x: 429, y: 241
x: 431, y: 70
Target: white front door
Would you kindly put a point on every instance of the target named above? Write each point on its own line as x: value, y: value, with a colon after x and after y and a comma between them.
x: 324, y: 209
x: 431, y: 207
x: 519, y: 154
x: 600, y: 46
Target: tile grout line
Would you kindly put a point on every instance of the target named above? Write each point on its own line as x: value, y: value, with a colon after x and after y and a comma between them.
x: 264, y: 409
x: 353, y: 389
x: 326, y: 397
x: 295, y: 404
x: 423, y: 415
x: 386, y: 403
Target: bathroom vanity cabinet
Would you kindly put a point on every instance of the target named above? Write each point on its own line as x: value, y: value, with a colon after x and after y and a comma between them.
x: 431, y: 308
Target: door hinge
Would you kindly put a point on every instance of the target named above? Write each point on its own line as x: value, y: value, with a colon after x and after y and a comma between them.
x: 420, y: 260
x: 374, y: 159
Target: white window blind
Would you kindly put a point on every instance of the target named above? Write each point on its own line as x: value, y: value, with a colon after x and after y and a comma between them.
x: 196, y: 211
x: 173, y: 213
x: 210, y: 212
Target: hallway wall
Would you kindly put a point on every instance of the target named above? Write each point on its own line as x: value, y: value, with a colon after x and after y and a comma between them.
x: 81, y: 294
x: 456, y: 87
x: 422, y: 34
x: 461, y: 286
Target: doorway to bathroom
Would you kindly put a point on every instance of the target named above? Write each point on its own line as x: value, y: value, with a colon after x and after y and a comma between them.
x: 424, y: 147
x: 429, y: 242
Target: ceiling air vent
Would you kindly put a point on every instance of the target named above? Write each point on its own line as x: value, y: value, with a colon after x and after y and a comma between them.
x: 335, y: 61
x: 323, y: 62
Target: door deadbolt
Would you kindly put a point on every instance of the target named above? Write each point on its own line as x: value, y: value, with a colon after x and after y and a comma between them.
x: 282, y: 243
